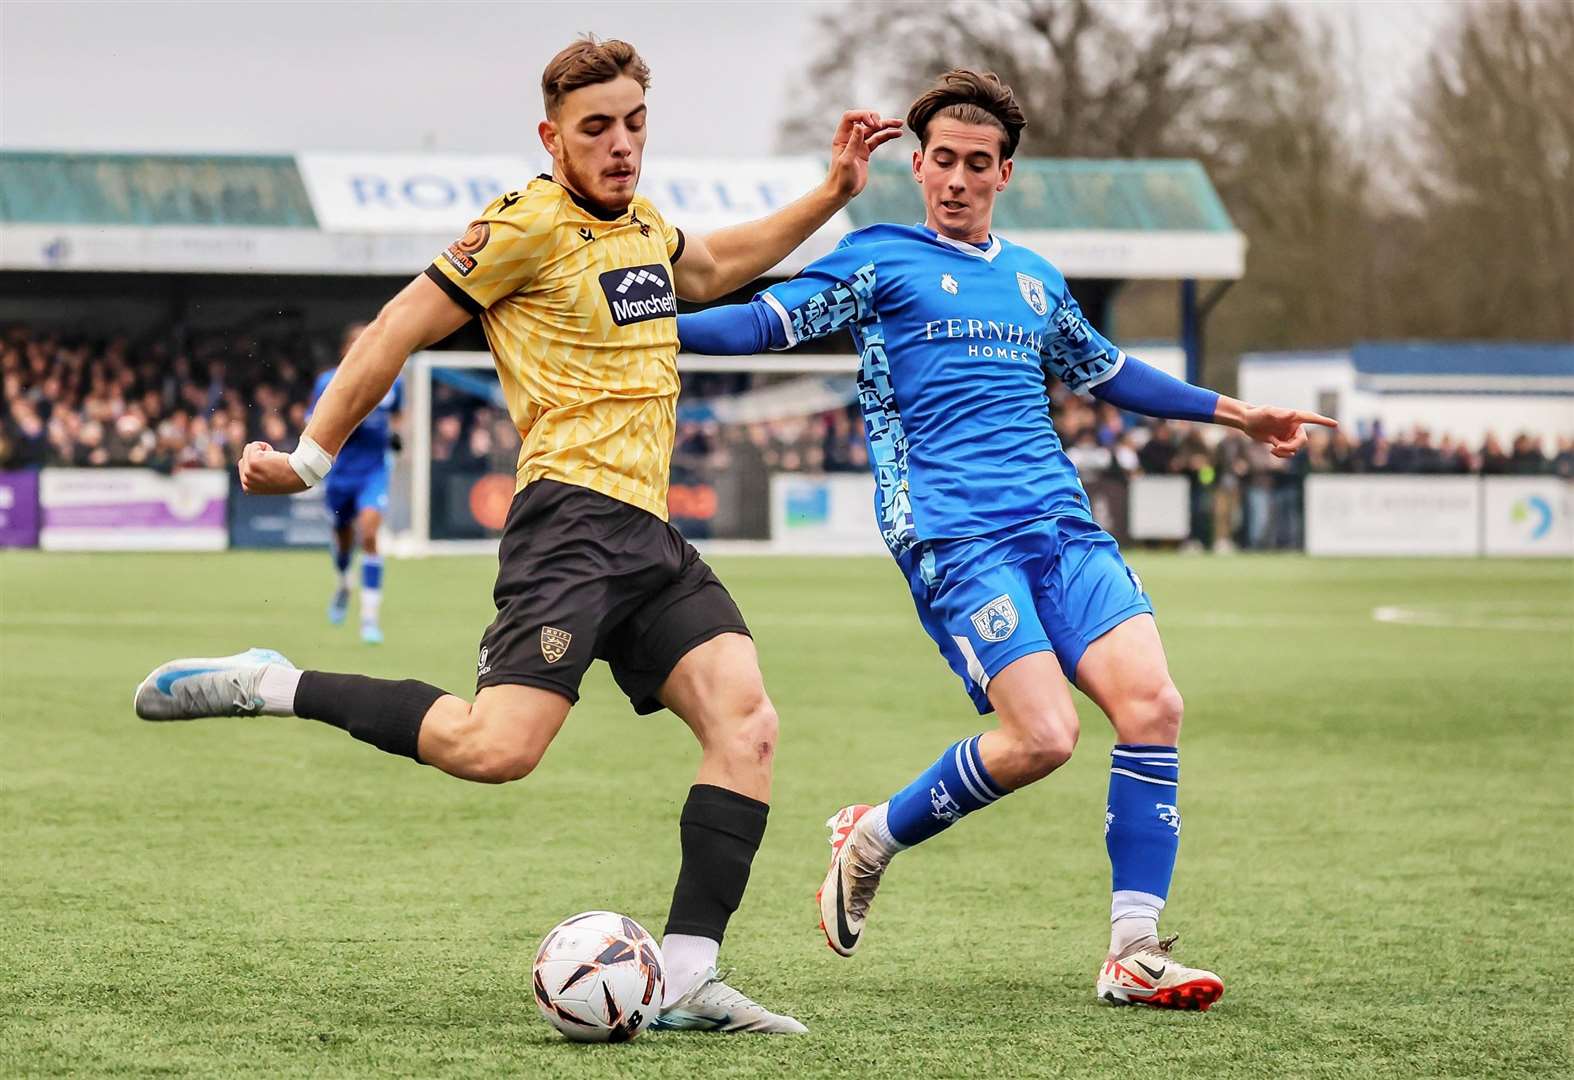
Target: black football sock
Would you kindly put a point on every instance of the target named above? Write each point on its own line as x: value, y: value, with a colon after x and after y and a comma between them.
x: 384, y: 712
x: 720, y: 830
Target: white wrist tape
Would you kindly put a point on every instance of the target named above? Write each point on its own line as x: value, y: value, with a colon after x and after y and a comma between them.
x: 311, y: 462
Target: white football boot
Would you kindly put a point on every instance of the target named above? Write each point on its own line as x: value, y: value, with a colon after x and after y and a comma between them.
x: 339, y: 606
x: 850, y: 883
x: 205, y: 686
x: 714, y: 1006
x: 1146, y: 974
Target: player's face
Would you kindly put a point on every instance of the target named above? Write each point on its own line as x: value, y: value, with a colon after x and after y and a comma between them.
x: 597, y: 141
x: 961, y: 171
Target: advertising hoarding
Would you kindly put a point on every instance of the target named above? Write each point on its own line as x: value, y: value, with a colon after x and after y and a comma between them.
x: 133, y: 510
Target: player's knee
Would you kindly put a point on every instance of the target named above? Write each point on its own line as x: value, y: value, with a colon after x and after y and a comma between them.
x: 750, y: 733
x: 757, y: 733
x: 1045, y: 745
x: 483, y: 746
x: 500, y: 763
x: 1154, y: 717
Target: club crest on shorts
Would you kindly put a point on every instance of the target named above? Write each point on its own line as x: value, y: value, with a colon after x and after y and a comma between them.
x: 554, y: 643
x: 996, y: 620
x: 1033, y: 293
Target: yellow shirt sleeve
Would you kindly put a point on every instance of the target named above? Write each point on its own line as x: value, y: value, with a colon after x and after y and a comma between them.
x: 670, y: 233
x: 497, y: 255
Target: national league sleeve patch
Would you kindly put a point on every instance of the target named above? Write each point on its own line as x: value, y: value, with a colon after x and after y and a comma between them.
x: 462, y: 252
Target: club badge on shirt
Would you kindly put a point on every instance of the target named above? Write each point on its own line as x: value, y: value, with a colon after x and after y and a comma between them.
x: 1033, y: 293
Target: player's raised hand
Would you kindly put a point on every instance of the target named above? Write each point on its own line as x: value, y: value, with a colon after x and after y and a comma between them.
x: 860, y: 132
x: 1282, y: 429
x: 266, y: 471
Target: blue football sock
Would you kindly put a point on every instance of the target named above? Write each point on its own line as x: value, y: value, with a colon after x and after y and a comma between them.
x: 341, y: 560
x: 954, y: 786
x: 372, y: 572
x: 1142, y: 827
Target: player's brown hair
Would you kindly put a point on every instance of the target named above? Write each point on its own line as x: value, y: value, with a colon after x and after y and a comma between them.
x: 587, y: 62
x: 973, y: 97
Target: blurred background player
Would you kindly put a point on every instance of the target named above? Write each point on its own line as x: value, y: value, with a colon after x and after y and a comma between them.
x: 356, y: 494
x: 1024, y: 593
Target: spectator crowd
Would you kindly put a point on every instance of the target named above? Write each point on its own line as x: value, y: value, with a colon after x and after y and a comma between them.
x: 168, y: 404
x: 193, y: 400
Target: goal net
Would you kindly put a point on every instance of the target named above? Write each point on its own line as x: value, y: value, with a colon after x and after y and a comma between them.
x: 769, y: 456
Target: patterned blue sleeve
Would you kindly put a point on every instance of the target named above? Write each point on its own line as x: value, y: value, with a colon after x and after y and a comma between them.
x: 1074, y: 352
x: 828, y: 295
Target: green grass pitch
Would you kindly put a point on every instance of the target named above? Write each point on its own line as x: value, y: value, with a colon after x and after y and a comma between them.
x: 1376, y: 853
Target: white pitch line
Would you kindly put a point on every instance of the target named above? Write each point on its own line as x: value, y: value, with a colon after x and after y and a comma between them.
x: 1444, y: 619
x: 129, y: 618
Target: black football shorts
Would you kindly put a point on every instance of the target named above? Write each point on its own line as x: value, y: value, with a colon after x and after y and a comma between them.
x: 582, y: 577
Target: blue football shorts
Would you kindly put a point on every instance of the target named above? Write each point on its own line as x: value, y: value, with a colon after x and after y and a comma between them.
x: 346, y: 499
x: 1052, y: 585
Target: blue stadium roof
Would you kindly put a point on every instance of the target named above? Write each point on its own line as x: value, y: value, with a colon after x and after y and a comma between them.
x: 1462, y: 358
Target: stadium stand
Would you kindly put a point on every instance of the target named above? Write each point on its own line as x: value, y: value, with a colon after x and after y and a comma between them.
x: 174, y: 400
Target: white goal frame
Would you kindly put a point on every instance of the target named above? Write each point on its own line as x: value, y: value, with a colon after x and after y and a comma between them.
x: 416, y: 540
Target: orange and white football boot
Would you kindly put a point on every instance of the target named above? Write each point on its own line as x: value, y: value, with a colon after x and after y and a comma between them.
x: 1147, y: 974
x: 856, y: 867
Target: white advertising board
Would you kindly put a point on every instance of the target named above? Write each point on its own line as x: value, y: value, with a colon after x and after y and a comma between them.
x: 1393, y: 515
x: 1528, y: 516
x: 133, y: 510
x: 1158, y: 508
x: 435, y: 196
x: 410, y: 193
x: 824, y: 515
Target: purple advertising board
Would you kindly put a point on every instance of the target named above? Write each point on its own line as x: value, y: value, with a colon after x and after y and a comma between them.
x: 19, y: 509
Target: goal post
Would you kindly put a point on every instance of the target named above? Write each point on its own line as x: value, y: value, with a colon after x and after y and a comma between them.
x: 770, y: 456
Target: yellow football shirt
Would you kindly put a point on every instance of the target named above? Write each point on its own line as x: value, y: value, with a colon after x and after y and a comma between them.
x: 581, y: 315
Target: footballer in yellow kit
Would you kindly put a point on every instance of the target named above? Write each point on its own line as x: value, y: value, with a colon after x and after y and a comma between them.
x: 575, y: 279
x: 579, y: 309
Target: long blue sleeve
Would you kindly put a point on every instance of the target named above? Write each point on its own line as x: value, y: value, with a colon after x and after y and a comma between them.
x: 1138, y: 387
x: 734, y: 330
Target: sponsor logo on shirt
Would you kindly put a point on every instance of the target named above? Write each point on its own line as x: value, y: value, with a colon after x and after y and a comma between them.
x: 639, y: 293
x: 462, y: 252
x: 1005, y: 340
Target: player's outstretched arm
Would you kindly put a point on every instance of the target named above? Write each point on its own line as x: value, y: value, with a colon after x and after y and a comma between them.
x: 732, y: 330
x: 1281, y: 429
x: 1140, y: 388
x: 420, y: 314
x: 717, y: 263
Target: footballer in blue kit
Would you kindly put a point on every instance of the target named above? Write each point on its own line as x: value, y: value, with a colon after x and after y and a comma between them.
x: 356, y: 495
x: 1023, y: 592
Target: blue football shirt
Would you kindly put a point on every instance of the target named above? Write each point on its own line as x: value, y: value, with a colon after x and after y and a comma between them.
x: 956, y: 344
x: 366, y: 450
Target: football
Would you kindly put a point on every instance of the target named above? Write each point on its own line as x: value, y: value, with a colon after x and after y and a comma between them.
x: 598, y: 977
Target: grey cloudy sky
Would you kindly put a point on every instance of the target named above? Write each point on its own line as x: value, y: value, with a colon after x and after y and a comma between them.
x: 280, y: 76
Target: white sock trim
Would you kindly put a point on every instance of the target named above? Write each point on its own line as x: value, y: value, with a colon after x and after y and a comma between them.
x: 1133, y: 916
x: 276, y: 687
x: 878, y: 825
x: 686, y: 957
